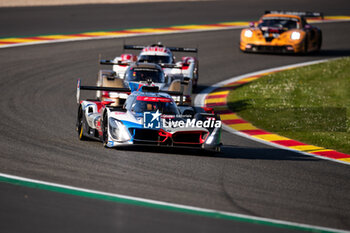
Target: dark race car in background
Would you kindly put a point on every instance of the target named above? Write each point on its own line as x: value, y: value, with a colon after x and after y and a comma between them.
x: 187, y: 68
x: 141, y: 74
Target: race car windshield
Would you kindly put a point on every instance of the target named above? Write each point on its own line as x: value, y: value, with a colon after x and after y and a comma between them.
x: 155, y: 59
x: 288, y: 23
x: 167, y: 108
x: 144, y: 75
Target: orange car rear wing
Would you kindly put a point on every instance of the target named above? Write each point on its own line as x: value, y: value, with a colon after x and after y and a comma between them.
x: 306, y: 14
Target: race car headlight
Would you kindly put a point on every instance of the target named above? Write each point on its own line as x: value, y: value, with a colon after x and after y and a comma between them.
x: 295, y: 36
x: 213, y: 137
x: 118, y: 130
x: 248, y: 33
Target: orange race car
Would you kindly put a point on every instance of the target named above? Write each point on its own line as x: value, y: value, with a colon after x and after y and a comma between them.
x: 282, y: 32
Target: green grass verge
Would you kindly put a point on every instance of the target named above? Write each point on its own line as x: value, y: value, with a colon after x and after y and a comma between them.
x: 310, y: 104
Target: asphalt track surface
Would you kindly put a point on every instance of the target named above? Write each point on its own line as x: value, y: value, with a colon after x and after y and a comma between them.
x: 38, y: 141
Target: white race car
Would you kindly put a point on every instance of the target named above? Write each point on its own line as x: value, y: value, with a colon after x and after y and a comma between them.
x: 148, y: 117
x: 161, y: 55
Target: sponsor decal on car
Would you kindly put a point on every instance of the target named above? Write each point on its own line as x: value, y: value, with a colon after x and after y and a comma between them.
x: 110, y: 144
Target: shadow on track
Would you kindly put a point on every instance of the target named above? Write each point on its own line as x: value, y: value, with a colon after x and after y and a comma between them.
x: 332, y: 53
x: 167, y: 150
x: 234, y: 152
x: 227, y: 152
x: 200, y: 88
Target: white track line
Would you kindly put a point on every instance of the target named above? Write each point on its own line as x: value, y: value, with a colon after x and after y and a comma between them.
x: 251, y: 219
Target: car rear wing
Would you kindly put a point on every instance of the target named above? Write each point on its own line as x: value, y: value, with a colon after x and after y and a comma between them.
x: 171, y: 66
x: 125, y: 90
x: 156, y: 89
x: 306, y: 14
x: 113, y: 62
x: 178, y: 96
x: 95, y: 88
x: 173, y: 49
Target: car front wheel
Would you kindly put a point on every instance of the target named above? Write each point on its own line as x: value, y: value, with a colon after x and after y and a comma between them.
x: 105, y: 130
x: 81, y: 125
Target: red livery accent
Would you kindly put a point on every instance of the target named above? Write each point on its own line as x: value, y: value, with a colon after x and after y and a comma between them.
x: 99, y: 106
x: 188, y: 60
x: 98, y: 127
x: 153, y: 99
x: 105, y: 94
x: 139, y: 87
x: 185, y: 67
x: 209, y: 110
x: 155, y: 49
x: 128, y: 57
x: 164, y: 134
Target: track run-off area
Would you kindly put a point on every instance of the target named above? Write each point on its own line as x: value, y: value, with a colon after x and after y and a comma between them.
x: 249, y: 187
x: 216, y: 97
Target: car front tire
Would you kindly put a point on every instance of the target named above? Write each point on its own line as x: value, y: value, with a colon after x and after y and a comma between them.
x: 81, y: 122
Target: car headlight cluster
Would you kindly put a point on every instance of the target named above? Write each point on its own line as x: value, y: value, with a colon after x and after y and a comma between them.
x: 248, y: 33
x: 118, y: 130
x: 295, y: 36
x: 213, y: 136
